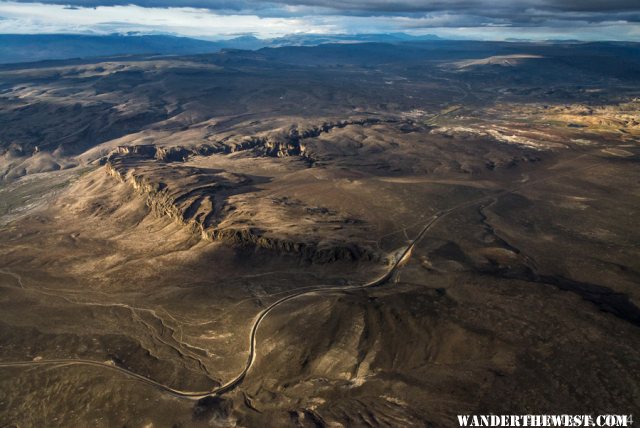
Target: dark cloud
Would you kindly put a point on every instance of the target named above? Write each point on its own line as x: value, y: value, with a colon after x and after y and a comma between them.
x: 470, y: 12
x: 403, y: 6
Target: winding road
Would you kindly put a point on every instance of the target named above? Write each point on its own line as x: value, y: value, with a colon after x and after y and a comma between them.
x: 400, y: 258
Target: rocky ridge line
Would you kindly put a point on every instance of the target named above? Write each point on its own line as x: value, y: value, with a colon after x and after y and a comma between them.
x: 162, y: 203
x: 274, y: 145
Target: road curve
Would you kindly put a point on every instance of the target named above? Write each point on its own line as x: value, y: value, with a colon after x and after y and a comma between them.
x: 399, y: 259
x: 397, y: 262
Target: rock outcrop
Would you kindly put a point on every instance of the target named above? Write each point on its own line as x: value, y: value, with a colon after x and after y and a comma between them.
x: 278, y: 143
x: 199, y: 200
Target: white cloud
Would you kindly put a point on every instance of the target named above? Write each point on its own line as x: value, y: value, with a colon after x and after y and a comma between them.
x: 24, y: 18
x: 29, y: 18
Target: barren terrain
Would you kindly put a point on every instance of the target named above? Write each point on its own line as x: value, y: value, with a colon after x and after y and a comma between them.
x: 320, y: 236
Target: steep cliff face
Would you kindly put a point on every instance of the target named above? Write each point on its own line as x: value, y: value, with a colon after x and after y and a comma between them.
x: 213, y: 204
x: 277, y: 143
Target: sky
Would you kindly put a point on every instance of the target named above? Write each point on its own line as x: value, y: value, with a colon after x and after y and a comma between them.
x: 212, y: 19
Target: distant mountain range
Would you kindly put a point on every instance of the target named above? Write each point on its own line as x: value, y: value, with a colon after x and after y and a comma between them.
x: 37, y: 47
x: 318, y: 39
x: 15, y: 48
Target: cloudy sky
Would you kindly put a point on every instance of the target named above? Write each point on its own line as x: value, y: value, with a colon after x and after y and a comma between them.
x: 477, y: 19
